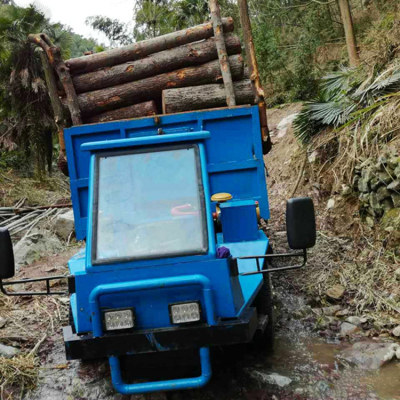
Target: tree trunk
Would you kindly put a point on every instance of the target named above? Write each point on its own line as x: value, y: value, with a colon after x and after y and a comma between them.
x: 345, y: 11
x: 56, y: 105
x: 143, y: 49
x: 158, y: 63
x: 135, y: 111
x: 222, y: 53
x: 54, y: 56
x: 151, y: 88
x: 254, y: 74
x: 205, y: 96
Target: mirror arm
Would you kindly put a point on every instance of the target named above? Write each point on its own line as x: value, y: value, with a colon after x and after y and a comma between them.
x: 269, y: 256
x: 45, y: 279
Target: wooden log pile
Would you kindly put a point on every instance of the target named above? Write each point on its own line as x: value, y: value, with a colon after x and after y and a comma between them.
x: 177, y: 72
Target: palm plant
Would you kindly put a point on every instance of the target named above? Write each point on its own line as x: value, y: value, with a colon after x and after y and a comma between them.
x: 25, y: 105
x: 345, y: 97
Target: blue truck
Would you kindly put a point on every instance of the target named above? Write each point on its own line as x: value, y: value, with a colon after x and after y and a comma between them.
x: 175, y: 259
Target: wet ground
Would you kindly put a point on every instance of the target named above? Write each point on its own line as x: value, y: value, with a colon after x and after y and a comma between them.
x: 306, y: 365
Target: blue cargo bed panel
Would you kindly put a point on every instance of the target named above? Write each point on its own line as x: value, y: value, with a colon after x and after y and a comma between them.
x: 234, y: 153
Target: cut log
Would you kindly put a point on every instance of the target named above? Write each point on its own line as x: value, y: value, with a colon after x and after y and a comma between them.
x: 204, y: 96
x: 158, y: 63
x: 222, y: 52
x: 135, y: 111
x: 143, y: 49
x: 151, y: 88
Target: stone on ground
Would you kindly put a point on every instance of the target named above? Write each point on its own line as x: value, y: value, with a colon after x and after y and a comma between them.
x: 271, y: 379
x: 368, y: 356
x: 284, y: 124
x: 354, y: 320
x: 64, y: 224
x: 347, y: 329
x: 3, y: 322
x: 36, y: 245
x: 396, y: 331
x: 336, y: 292
x: 397, y: 274
x: 8, y: 351
x: 332, y: 310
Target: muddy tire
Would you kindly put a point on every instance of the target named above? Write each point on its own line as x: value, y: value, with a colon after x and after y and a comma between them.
x: 264, y: 306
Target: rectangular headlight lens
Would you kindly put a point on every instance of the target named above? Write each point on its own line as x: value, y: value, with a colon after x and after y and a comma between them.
x: 185, y: 312
x: 119, y: 319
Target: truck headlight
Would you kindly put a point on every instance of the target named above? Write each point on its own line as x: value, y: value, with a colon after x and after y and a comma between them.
x: 119, y: 319
x: 184, y: 312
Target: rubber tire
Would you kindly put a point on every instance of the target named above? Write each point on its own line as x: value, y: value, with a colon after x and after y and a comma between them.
x: 264, y: 305
x: 71, y: 319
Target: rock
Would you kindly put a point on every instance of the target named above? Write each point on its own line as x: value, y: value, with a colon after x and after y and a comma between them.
x: 336, y: 292
x: 3, y: 322
x: 363, y: 185
x: 387, y: 204
x: 271, y: 379
x: 364, y: 197
x: 64, y: 224
x: 375, y: 183
x: 8, y: 351
x: 331, y: 311
x: 346, y: 190
x: 395, y: 185
x: 383, y: 193
x: 396, y: 200
x: 382, y: 160
x: 374, y: 201
x: 284, y: 124
x: 391, y: 218
x: 354, y: 320
x: 331, y: 204
x: 368, y: 356
x: 32, y: 248
x: 347, y: 329
x: 396, y: 331
x: 384, y: 177
x: 397, y: 274
x: 313, y: 157
x: 397, y: 171
x: 342, y: 313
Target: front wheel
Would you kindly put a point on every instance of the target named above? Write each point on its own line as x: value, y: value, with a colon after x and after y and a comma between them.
x: 264, y: 305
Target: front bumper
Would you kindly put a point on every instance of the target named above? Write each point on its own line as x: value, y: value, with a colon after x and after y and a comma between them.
x: 235, y: 331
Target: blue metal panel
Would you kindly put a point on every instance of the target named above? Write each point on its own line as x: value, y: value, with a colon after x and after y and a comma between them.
x: 152, y: 305
x: 234, y: 152
x: 239, y: 221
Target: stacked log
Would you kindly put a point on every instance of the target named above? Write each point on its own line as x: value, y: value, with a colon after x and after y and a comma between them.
x: 180, y: 71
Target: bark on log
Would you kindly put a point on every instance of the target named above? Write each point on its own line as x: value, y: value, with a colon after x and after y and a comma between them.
x: 158, y: 63
x: 54, y: 56
x: 205, y: 96
x: 151, y: 88
x: 142, y: 49
x: 135, y: 111
x: 222, y: 53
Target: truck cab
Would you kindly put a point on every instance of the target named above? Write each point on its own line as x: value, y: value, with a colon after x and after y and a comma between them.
x: 175, y: 258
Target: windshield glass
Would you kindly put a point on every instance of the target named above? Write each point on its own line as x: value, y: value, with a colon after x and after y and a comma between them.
x: 150, y: 204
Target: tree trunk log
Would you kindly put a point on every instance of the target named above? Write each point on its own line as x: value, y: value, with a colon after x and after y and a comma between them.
x: 345, y: 11
x: 143, y: 49
x: 222, y: 53
x: 54, y: 56
x: 158, y: 63
x: 56, y: 105
x: 135, y: 111
x: 204, y: 96
x: 151, y: 88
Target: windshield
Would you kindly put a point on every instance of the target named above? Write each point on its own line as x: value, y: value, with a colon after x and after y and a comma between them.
x: 150, y: 204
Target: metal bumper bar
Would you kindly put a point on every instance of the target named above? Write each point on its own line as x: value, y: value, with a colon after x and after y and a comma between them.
x: 174, y: 384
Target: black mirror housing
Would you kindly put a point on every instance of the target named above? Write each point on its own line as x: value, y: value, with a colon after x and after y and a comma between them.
x: 7, y: 265
x: 300, y: 223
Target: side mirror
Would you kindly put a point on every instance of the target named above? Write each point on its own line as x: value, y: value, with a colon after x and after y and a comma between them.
x: 300, y: 223
x: 7, y: 265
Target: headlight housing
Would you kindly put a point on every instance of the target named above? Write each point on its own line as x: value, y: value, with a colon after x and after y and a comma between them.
x: 181, y: 313
x: 119, y: 319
